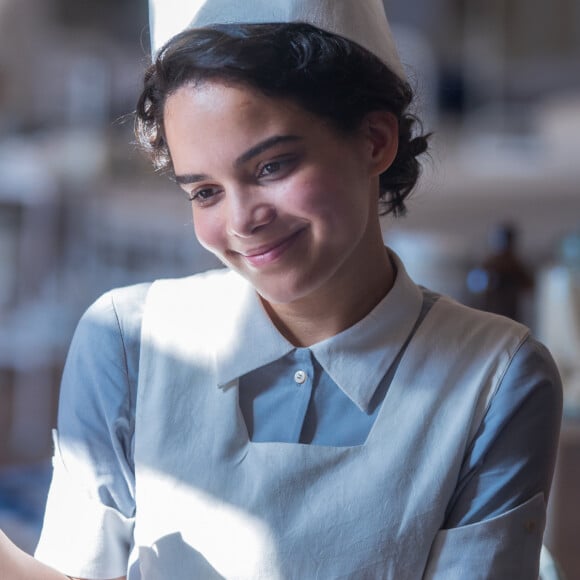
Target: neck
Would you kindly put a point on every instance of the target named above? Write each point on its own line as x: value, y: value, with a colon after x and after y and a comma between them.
x: 337, y: 306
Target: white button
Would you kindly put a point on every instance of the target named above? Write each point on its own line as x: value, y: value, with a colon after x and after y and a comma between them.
x: 300, y: 377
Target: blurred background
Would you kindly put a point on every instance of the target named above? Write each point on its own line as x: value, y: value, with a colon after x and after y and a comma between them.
x: 495, y: 221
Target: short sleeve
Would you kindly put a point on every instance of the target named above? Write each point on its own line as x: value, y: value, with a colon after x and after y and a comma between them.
x: 495, y: 520
x: 88, y: 523
x: 506, y: 547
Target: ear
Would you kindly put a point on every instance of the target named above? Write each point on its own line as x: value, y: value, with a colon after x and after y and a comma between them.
x: 381, y: 132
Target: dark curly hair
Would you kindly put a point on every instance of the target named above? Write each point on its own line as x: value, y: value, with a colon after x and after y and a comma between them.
x: 326, y: 74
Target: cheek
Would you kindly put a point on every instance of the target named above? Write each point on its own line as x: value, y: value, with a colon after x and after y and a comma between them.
x: 312, y: 193
x: 324, y: 197
x: 208, y: 230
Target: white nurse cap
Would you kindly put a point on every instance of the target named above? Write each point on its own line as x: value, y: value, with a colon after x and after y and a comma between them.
x: 362, y: 21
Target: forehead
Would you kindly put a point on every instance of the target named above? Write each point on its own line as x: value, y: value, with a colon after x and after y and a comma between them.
x: 215, y: 102
x: 210, y: 120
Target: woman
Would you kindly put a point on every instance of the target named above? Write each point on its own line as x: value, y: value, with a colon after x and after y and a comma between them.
x: 309, y: 412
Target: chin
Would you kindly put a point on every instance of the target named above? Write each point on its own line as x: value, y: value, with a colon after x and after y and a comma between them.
x: 283, y: 286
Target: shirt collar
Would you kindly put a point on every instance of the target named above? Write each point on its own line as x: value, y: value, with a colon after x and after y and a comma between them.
x: 248, y: 339
x: 358, y: 358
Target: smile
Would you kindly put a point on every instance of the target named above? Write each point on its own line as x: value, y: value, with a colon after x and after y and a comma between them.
x: 265, y: 255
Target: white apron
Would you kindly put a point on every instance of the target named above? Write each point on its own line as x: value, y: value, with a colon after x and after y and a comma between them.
x: 213, y: 504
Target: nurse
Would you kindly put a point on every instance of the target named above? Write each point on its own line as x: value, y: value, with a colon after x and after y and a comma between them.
x: 309, y: 411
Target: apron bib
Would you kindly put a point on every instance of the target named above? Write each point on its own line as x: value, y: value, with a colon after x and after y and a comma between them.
x: 213, y: 504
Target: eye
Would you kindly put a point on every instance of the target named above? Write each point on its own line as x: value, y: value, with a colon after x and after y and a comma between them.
x: 277, y: 168
x: 203, y: 195
x: 270, y: 168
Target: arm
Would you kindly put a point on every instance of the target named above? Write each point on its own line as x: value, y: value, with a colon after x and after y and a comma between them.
x: 495, y: 519
x: 18, y: 565
x: 88, y: 523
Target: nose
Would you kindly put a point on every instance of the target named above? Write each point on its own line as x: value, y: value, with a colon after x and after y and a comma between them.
x: 247, y: 214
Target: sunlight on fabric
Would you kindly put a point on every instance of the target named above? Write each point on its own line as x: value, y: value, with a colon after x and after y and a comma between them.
x: 220, y: 310
x: 231, y: 541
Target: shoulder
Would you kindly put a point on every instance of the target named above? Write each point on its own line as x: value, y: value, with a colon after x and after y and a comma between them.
x: 120, y: 311
x: 110, y: 329
x: 532, y: 374
x: 462, y: 334
x: 103, y: 358
x: 533, y: 355
x: 529, y: 361
x: 479, y: 320
x: 496, y: 352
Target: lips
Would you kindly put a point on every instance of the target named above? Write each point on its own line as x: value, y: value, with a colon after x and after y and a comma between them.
x: 269, y: 253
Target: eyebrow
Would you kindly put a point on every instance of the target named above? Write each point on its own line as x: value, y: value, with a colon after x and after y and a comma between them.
x: 243, y: 158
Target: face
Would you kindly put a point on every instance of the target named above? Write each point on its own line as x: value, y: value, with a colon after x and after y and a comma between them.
x: 277, y: 193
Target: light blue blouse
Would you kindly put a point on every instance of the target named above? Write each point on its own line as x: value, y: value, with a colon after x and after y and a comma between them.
x: 328, y: 394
